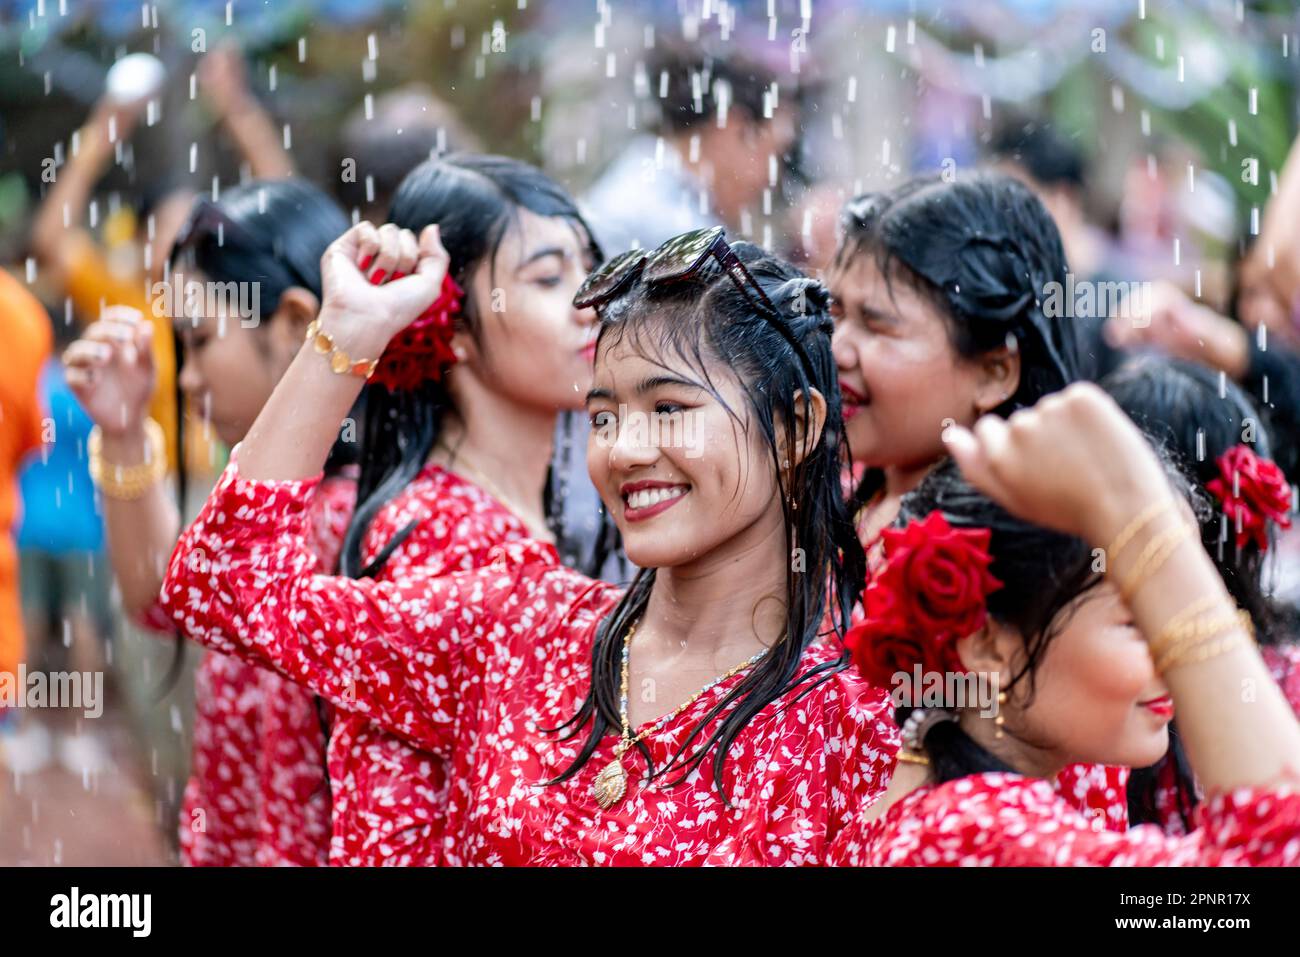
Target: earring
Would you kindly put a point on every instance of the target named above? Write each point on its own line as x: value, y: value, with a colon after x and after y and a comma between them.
x: 998, y: 721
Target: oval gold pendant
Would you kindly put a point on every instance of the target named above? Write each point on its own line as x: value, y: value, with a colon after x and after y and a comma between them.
x: 610, y: 785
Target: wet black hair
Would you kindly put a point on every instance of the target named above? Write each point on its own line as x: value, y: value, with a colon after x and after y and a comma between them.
x: 475, y: 199
x: 1197, y: 414
x: 695, y: 81
x: 708, y: 323
x: 269, y: 232
x: 1044, y: 575
x: 983, y: 250
x: 1050, y: 158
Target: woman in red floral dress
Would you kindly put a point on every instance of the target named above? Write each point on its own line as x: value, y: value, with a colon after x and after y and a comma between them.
x: 695, y: 718
x: 1218, y: 437
x: 456, y: 446
x: 937, y: 288
x: 1089, y: 650
x: 257, y: 792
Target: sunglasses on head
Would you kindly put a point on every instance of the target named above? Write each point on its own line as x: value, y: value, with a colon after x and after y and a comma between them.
x: 680, y: 258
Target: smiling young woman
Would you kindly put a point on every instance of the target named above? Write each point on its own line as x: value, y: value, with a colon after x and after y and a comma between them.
x: 1090, y: 665
x: 577, y: 720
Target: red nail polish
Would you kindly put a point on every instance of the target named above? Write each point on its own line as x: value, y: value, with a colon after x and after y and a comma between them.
x: 398, y: 275
x: 378, y: 276
x: 365, y: 262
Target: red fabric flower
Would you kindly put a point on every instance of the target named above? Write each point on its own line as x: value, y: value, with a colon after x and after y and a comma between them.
x: 422, y: 351
x: 931, y: 592
x: 1252, y: 491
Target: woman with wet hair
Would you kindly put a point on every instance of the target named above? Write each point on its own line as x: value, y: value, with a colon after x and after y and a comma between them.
x: 940, y: 294
x: 1214, y: 433
x: 697, y: 717
x: 455, y: 441
x: 257, y: 792
x: 1056, y: 566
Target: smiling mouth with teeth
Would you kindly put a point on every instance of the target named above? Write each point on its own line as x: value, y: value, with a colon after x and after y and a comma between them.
x: 645, y: 502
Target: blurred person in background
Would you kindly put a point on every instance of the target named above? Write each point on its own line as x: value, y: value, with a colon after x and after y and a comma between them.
x: 124, y: 268
x: 25, y: 331
x: 406, y: 127
x: 721, y: 126
x: 257, y: 792
x: 65, y: 579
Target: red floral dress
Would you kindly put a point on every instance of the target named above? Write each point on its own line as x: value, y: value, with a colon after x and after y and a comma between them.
x: 1007, y: 820
x: 475, y: 667
x: 257, y: 794
x: 390, y: 797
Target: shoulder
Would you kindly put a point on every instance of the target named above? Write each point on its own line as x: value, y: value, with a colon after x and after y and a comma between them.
x: 454, y: 523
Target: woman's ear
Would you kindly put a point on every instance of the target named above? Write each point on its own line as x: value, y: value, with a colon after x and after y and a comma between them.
x: 809, y: 420
x: 288, y: 324
x: 999, y: 376
x: 991, y: 650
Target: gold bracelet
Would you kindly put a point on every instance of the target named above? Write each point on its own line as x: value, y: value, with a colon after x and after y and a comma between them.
x: 128, y: 482
x: 1172, y: 628
x: 1144, y: 518
x: 340, y: 362
x: 1196, y: 632
x: 911, y: 757
x: 1205, y: 651
x: 1152, y: 559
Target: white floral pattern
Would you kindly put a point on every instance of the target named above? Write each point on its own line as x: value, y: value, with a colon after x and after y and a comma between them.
x: 474, y: 667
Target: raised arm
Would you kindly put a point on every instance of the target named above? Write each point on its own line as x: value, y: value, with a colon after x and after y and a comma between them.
x: 1075, y: 463
x: 57, y: 228
x: 110, y: 370
x: 224, y: 85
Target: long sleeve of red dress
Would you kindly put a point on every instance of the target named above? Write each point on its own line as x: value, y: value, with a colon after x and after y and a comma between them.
x: 1006, y: 820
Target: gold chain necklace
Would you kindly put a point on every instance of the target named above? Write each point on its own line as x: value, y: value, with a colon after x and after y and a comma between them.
x: 611, y: 783
x: 454, y: 459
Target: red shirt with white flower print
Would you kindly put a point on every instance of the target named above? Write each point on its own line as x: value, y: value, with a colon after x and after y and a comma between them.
x: 1007, y: 820
x: 475, y: 667
x: 257, y: 793
x: 390, y: 797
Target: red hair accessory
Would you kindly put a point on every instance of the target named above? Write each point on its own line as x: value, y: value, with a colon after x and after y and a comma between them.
x: 422, y: 351
x: 1252, y: 490
x: 931, y: 591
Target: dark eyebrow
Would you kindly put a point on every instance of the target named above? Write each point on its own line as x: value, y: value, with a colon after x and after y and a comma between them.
x: 647, y: 385
x: 542, y: 254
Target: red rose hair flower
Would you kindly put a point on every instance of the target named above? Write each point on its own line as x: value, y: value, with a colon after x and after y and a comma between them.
x: 422, y: 351
x: 1252, y: 491
x: 932, y: 591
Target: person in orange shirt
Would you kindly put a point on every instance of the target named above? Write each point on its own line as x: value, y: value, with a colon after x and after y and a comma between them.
x: 26, y: 333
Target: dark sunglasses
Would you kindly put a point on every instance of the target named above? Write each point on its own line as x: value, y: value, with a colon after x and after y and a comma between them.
x: 680, y: 258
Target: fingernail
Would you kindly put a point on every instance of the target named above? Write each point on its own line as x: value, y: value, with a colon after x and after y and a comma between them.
x: 378, y: 276
x: 365, y: 263
x: 398, y: 275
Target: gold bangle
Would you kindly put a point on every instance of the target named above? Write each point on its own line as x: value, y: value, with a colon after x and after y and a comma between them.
x: 1197, y: 632
x: 128, y: 482
x: 1172, y: 628
x: 1152, y: 559
x: 911, y: 757
x: 340, y: 362
x: 1205, y: 651
x: 1144, y: 518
